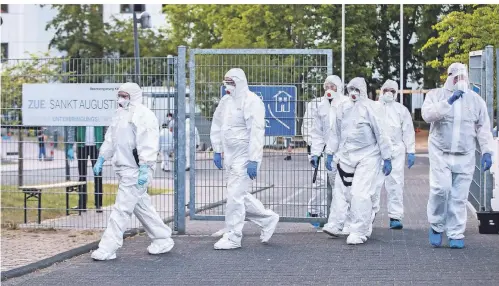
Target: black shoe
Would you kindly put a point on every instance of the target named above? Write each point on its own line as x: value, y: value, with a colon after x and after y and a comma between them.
x: 98, y: 209
x: 288, y: 158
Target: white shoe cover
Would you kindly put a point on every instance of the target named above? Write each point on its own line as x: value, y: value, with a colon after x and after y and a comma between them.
x: 332, y: 231
x: 160, y: 246
x: 219, y: 233
x: 353, y: 239
x: 225, y: 243
x: 269, y: 229
x: 101, y: 255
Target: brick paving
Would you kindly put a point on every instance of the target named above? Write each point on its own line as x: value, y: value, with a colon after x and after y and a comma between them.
x: 22, y: 247
x: 297, y: 255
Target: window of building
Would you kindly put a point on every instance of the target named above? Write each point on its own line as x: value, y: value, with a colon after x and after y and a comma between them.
x: 127, y: 8
x: 5, y: 51
x: 5, y: 8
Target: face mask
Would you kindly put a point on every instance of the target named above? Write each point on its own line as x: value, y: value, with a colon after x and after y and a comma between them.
x: 123, y: 102
x: 461, y: 85
x: 330, y: 94
x: 354, y: 95
x: 230, y: 89
x: 387, y: 97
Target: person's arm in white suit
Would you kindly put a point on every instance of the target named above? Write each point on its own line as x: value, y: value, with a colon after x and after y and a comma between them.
x: 216, y: 127
x: 107, y: 150
x: 379, y: 128
x: 198, y: 140
x: 433, y: 109
x: 318, y: 141
x: 483, y: 133
x: 333, y: 137
x: 254, y: 115
x: 408, y: 134
x: 307, y: 123
x: 146, y: 135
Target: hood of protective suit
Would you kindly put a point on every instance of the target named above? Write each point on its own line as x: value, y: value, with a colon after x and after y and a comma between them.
x: 336, y: 80
x: 388, y: 97
x: 134, y: 90
x: 239, y: 78
x: 454, y: 70
x: 360, y: 83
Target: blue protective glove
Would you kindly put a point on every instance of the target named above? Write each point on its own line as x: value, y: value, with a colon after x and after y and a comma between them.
x: 314, y: 161
x: 71, y: 153
x: 143, y: 175
x: 455, y: 96
x: 486, y: 161
x: 217, y: 159
x: 410, y: 160
x: 98, y: 166
x: 252, y: 166
x: 387, y: 167
x: 329, y: 161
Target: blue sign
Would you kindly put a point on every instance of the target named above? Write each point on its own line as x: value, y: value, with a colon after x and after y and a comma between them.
x: 280, y: 108
x: 475, y: 88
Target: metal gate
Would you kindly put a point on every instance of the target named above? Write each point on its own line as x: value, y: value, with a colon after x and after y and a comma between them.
x: 285, y: 79
x: 160, y: 83
x: 481, y: 76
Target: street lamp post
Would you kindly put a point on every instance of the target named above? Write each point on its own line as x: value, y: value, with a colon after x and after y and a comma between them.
x: 145, y: 22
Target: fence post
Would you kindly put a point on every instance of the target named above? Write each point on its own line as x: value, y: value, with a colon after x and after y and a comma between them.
x: 179, y: 141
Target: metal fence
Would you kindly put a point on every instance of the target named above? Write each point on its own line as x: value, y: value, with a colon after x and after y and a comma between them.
x: 37, y: 155
x: 481, y: 75
x: 285, y: 79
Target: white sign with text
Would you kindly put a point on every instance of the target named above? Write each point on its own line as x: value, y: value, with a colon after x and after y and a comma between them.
x: 69, y: 104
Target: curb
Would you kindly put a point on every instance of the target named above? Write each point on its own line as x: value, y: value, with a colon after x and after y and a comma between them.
x: 44, y: 263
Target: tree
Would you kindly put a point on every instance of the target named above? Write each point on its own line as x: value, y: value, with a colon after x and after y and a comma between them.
x: 15, y: 73
x: 79, y: 30
x: 463, y: 32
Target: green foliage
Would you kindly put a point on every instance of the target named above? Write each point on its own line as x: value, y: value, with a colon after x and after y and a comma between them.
x: 463, y: 32
x: 15, y: 73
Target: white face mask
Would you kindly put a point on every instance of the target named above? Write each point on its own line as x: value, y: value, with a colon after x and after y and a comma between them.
x: 123, y: 102
x: 230, y: 89
x: 354, y: 95
x: 387, y: 97
x: 330, y: 94
x: 461, y: 85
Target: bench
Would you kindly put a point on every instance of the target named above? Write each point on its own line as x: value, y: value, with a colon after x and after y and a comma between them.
x: 35, y: 192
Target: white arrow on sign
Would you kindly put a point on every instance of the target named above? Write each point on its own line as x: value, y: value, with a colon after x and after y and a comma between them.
x: 278, y: 120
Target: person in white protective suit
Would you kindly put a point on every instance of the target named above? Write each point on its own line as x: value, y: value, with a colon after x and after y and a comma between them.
x: 166, y: 145
x: 403, y: 139
x: 308, y: 122
x: 171, y: 125
x: 323, y: 115
x: 238, y: 131
x: 360, y: 146
x: 458, y: 118
x: 187, y: 142
x: 132, y: 143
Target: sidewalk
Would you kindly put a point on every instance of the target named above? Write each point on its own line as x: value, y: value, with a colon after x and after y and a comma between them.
x: 296, y: 255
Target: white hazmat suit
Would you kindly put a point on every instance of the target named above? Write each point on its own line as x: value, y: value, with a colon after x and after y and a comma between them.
x: 133, y: 127
x: 358, y: 141
x: 238, y: 131
x: 187, y: 142
x: 456, y: 123
x: 323, y: 114
x: 166, y: 144
x: 403, y: 138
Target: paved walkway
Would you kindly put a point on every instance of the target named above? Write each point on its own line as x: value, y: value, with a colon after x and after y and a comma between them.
x: 297, y: 255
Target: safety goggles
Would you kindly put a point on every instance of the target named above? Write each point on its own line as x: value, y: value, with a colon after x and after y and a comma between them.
x: 330, y: 87
x: 123, y: 94
x: 389, y: 90
x: 352, y: 88
x: 457, y: 78
x: 229, y: 81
